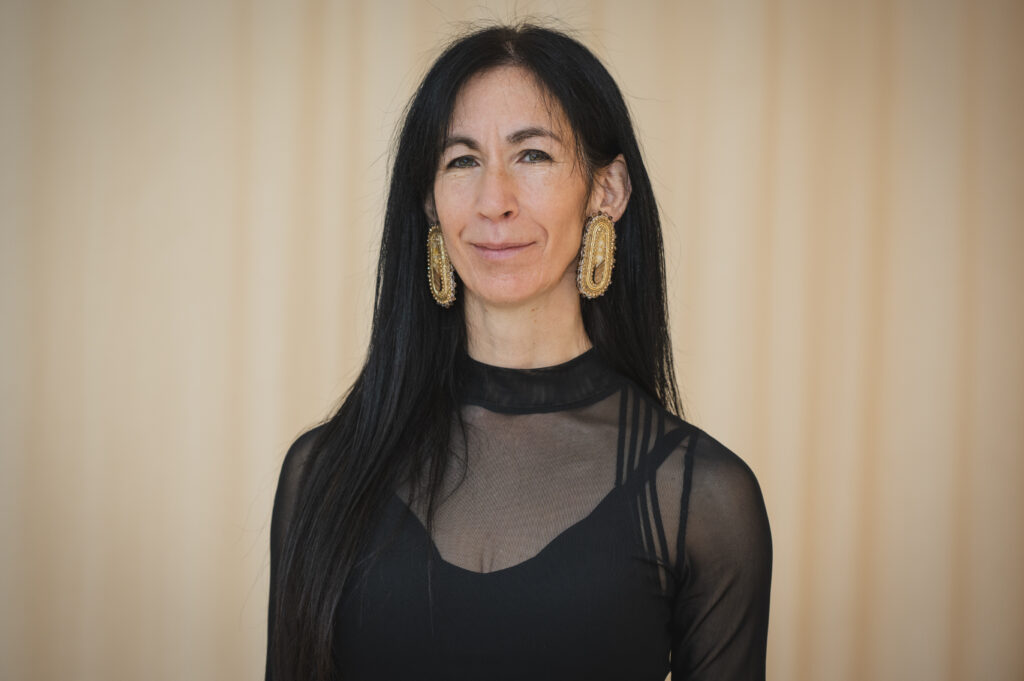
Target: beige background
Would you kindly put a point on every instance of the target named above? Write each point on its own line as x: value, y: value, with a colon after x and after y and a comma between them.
x: 190, y: 201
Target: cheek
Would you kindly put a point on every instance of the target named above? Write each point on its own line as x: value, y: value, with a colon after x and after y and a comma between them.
x: 559, y: 207
x: 452, y: 198
x: 569, y: 244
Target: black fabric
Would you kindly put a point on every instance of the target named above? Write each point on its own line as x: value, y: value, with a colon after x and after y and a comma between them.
x: 584, y: 533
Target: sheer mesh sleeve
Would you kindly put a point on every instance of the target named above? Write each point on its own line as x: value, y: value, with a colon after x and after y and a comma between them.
x: 720, y: 619
x: 283, y: 514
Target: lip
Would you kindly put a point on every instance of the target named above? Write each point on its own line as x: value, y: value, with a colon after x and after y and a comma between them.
x: 500, y: 251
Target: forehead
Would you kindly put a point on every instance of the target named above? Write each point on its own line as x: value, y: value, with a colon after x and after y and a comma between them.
x: 504, y: 99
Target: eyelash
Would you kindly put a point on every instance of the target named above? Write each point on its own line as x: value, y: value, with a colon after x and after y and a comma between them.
x: 542, y: 157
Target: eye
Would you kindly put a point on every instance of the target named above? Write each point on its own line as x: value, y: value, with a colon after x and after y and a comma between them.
x: 462, y: 162
x: 535, y: 156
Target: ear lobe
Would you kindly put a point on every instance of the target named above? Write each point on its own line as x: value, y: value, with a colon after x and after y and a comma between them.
x: 428, y: 208
x: 612, y: 189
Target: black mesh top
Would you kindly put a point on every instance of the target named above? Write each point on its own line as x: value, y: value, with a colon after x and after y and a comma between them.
x: 585, y: 533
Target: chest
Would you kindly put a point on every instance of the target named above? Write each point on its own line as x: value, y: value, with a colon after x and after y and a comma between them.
x: 588, y: 605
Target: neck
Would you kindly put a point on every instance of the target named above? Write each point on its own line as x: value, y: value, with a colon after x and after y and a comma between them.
x: 539, y: 333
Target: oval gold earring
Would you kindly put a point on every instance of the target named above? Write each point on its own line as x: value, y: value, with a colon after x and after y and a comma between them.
x: 597, y: 256
x: 439, y: 268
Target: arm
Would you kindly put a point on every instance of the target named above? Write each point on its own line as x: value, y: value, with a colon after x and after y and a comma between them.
x: 720, y: 618
x: 285, y: 503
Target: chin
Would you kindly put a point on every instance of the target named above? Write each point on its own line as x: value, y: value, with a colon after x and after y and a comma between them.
x: 505, y: 298
x: 506, y: 294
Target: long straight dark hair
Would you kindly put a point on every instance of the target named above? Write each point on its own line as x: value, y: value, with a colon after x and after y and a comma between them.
x: 397, y: 418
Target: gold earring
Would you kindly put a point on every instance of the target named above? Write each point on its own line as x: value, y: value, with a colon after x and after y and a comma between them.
x: 597, y: 255
x: 439, y: 268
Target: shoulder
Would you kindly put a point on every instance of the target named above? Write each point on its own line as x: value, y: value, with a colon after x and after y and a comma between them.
x: 718, y: 476
x: 724, y: 507
x: 300, y: 449
x: 720, y: 469
x: 298, y: 457
x: 689, y: 455
x: 293, y: 473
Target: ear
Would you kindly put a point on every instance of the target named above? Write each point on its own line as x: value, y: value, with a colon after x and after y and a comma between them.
x: 611, y: 189
x: 428, y: 208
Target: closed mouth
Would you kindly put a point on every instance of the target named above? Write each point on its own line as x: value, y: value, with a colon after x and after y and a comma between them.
x: 502, y: 246
x: 501, y: 251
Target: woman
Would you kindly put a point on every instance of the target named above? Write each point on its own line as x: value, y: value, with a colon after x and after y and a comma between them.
x: 507, y: 491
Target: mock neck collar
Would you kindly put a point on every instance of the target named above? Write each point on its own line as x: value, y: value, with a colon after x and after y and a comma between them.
x: 582, y: 380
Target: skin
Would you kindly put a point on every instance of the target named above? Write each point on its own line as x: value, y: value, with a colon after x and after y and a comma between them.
x: 512, y: 201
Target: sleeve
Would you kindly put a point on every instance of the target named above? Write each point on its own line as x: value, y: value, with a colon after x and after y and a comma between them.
x: 285, y: 503
x: 720, y: 611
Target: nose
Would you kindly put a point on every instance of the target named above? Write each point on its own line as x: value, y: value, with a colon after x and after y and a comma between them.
x: 497, y: 199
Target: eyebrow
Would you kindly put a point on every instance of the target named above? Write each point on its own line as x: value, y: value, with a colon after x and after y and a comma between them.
x: 512, y: 138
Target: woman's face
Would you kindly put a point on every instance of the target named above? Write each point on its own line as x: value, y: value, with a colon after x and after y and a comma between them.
x: 509, y: 192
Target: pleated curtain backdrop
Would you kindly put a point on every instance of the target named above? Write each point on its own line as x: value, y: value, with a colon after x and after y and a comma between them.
x: 191, y: 200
